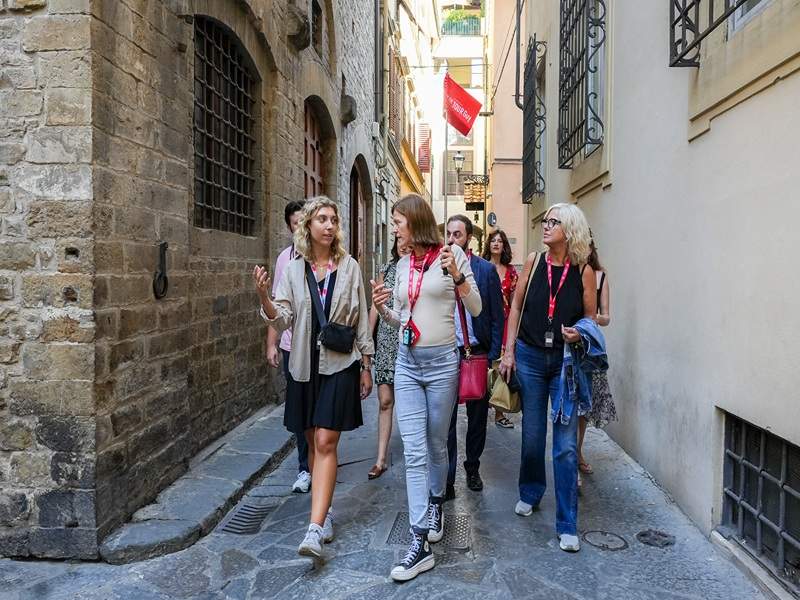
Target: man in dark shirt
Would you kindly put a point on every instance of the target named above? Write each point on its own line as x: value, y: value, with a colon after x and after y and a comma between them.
x: 486, y: 337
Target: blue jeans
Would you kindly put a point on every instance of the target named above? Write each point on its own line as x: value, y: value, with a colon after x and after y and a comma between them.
x: 425, y: 388
x: 302, y: 443
x: 539, y: 372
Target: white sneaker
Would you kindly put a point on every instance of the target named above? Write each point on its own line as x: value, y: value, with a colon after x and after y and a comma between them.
x: 523, y: 509
x: 303, y: 483
x: 418, y: 559
x: 312, y: 543
x: 435, y: 523
x: 569, y: 543
x: 327, y: 527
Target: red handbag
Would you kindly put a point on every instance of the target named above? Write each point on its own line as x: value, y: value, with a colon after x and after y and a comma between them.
x: 473, y: 370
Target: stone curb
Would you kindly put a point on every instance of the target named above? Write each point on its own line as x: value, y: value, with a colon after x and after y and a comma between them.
x: 194, y: 504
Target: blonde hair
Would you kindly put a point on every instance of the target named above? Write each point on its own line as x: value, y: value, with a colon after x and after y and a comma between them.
x: 302, y: 236
x: 576, y: 230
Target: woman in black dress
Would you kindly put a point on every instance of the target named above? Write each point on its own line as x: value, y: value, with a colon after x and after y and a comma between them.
x: 326, y: 385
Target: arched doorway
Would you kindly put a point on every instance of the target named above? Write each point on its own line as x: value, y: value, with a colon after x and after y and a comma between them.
x: 358, y: 217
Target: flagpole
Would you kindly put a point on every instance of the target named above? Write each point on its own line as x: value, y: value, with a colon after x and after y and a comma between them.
x: 446, y: 135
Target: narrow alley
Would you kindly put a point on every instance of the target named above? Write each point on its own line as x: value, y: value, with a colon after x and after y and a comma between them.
x: 487, y: 552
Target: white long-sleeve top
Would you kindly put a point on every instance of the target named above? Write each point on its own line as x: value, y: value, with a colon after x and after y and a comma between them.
x: 433, y: 312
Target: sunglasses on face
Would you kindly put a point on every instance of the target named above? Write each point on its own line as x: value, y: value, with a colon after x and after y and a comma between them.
x: 550, y: 223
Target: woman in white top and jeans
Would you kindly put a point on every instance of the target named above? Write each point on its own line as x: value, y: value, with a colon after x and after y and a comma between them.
x: 426, y: 372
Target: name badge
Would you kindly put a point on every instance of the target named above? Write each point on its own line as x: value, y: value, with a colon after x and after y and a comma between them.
x: 410, y: 333
x: 549, y: 338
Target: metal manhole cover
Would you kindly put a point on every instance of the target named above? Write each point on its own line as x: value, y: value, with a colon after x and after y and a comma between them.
x: 656, y: 538
x: 246, y: 519
x: 456, y: 532
x: 605, y: 540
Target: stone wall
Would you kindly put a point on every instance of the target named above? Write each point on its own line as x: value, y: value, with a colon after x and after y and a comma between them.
x: 47, y: 329
x: 105, y: 391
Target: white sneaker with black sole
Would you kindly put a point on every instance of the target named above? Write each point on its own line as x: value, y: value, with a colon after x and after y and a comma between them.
x: 418, y: 559
x: 303, y: 483
x: 327, y: 527
x: 312, y: 543
x: 435, y: 522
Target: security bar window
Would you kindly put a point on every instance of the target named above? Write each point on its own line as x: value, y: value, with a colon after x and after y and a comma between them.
x: 224, y: 132
x: 533, y: 124
x: 762, y: 497
x: 580, y: 108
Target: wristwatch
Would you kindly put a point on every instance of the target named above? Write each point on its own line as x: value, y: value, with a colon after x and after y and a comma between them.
x: 460, y: 280
x: 365, y: 367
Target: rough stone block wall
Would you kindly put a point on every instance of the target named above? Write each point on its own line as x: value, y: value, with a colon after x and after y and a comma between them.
x: 47, y: 329
x: 141, y: 116
x: 106, y: 391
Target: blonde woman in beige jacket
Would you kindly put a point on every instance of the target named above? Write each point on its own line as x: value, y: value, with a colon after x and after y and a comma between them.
x: 325, y: 385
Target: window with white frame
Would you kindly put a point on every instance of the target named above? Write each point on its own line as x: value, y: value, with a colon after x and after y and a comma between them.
x: 745, y: 13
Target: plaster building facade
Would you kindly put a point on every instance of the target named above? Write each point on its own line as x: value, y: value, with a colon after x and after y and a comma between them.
x: 144, y: 137
x: 676, y: 130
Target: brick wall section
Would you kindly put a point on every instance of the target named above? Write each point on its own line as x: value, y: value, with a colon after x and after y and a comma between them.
x: 106, y: 392
x: 47, y: 431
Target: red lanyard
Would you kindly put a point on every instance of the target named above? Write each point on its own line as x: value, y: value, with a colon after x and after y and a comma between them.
x: 414, y: 291
x: 551, y: 309
x: 323, y: 293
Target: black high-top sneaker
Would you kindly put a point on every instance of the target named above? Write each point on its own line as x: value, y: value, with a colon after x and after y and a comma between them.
x: 418, y: 559
x: 435, y: 520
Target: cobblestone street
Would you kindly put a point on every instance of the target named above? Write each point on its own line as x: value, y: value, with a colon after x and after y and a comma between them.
x: 507, y: 556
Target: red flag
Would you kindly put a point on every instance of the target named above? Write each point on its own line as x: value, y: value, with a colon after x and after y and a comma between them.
x: 460, y: 108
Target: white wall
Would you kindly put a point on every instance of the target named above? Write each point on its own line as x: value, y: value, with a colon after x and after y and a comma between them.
x: 699, y: 241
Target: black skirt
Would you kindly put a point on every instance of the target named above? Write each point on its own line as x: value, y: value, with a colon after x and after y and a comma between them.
x: 328, y: 401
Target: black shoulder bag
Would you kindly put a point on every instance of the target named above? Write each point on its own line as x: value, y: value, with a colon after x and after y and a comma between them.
x: 335, y: 337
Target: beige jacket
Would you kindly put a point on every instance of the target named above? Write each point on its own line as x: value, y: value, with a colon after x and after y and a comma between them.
x: 348, y: 307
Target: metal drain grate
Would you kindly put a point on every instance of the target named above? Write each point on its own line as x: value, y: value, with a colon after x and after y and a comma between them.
x: 246, y: 519
x: 456, y: 532
x: 653, y: 537
x: 605, y: 540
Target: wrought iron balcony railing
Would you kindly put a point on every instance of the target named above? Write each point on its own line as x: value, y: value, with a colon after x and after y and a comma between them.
x: 468, y: 26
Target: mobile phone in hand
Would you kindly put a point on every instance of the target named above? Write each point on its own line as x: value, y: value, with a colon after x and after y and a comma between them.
x: 444, y: 269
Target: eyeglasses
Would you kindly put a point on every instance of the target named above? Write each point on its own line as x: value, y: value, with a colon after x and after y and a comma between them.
x: 550, y: 223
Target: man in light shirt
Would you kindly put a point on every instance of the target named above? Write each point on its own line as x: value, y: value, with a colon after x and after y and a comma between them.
x: 291, y: 214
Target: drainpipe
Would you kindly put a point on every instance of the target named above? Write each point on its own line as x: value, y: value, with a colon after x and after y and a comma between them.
x: 517, y: 52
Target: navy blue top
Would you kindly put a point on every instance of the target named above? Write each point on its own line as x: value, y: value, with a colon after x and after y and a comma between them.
x: 489, y: 324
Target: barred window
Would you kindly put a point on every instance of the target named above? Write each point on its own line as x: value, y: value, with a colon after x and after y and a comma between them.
x: 691, y: 21
x: 762, y: 497
x: 224, y: 131
x: 580, y: 93
x: 534, y: 122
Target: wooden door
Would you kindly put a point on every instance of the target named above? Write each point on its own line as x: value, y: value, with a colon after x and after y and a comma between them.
x: 312, y: 166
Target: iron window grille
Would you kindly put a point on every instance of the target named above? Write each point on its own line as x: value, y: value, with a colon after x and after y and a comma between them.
x: 691, y: 21
x: 534, y: 122
x: 224, y: 131
x: 762, y: 497
x: 582, y: 37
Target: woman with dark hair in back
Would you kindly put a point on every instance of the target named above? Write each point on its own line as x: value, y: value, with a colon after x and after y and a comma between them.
x: 498, y: 252
x: 426, y: 373
x: 603, y: 409
x: 385, y: 358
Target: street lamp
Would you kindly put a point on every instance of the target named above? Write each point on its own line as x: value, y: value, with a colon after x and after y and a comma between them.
x: 458, y: 161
